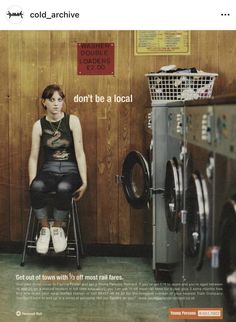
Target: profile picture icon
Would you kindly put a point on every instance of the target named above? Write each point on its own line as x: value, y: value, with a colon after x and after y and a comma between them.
x: 15, y: 14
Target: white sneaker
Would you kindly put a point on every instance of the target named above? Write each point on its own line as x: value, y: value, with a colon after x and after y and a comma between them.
x: 43, y: 241
x: 58, y: 239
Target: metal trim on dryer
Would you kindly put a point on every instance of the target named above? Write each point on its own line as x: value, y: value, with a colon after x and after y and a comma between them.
x: 173, y: 194
x: 197, y: 205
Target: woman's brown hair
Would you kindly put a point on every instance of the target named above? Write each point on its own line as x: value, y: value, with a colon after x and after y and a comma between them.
x: 50, y: 90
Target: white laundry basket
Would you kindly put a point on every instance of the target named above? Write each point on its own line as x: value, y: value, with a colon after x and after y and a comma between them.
x: 180, y: 86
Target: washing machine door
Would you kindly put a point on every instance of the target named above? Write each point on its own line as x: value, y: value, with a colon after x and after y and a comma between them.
x: 197, y: 205
x: 173, y: 194
x: 136, y: 180
x: 227, y: 258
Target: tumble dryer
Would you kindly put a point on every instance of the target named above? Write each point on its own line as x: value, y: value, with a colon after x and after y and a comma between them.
x: 144, y: 185
x: 165, y: 219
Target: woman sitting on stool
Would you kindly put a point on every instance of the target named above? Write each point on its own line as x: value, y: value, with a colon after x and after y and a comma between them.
x: 63, y: 171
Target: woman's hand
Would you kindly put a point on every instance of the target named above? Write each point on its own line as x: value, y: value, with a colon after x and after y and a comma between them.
x: 78, y: 194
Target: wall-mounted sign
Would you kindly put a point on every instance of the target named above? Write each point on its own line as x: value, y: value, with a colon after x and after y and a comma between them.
x: 95, y: 58
x: 153, y: 42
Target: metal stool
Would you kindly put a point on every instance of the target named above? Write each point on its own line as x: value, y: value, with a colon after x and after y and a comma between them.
x: 75, y: 244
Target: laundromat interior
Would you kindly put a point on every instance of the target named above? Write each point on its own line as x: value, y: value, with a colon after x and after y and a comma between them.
x: 118, y: 237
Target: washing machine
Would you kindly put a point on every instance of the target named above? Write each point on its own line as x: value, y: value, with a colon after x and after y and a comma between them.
x: 165, y: 219
x: 143, y: 181
x: 225, y: 201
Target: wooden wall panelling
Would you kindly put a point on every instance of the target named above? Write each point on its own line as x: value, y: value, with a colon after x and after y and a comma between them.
x: 44, y: 65
x: 208, y: 50
x: 4, y: 60
x: 59, y: 58
x: 208, y: 53
x: 87, y: 112
x: 4, y: 142
x: 15, y: 138
x: 123, y: 74
x: 29, y: 108
x: 187, y: 61
x: 107, y: 153
x: 44, y: 72
x: 227, y: 54
x: 4, y: 169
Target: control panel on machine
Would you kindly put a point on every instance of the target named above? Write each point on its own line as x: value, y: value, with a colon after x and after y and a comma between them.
x: 176, y: 122
x: 207, y: 127
x: 180, y: 123
x: 148, y: 120
x: 225, y: 130
x: 199, y: 125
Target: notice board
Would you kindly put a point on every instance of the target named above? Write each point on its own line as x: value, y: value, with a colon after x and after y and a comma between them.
x: 161, y: 42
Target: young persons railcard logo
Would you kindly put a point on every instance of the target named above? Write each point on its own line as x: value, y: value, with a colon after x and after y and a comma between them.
x: 15, y: 14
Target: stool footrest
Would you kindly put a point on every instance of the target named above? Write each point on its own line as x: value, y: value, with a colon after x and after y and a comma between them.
x: 73, y: 245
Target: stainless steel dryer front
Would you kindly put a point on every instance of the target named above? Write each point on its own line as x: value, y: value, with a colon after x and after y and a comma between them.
x: 165, y: 217
x: 144, y: 184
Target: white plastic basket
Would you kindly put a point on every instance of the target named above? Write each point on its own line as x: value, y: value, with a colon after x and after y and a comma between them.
x: 180, y: 86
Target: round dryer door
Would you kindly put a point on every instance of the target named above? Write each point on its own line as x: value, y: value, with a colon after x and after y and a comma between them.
x: 227, y: 259
x: 136, y: 180
x: 173, y: 194
x: 197, y: 205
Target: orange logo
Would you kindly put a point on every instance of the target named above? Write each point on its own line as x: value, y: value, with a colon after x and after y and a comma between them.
x: 195, y: 313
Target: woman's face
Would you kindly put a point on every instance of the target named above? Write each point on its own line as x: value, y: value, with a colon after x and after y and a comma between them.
x: 54, y: 104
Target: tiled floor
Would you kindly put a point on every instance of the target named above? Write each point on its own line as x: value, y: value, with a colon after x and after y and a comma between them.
x: 101, y: 299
